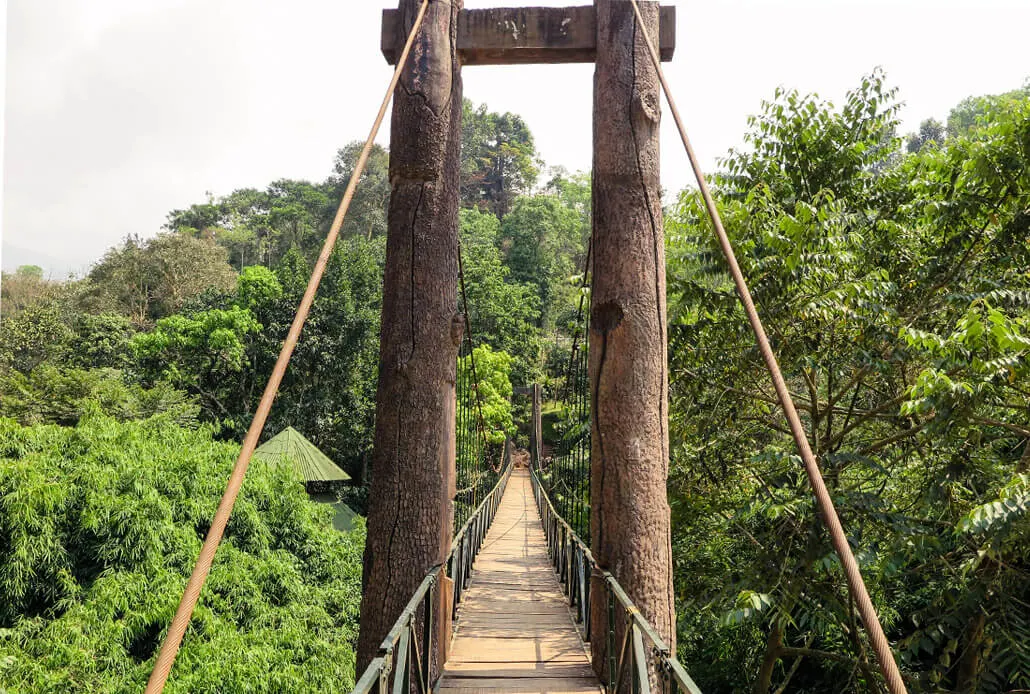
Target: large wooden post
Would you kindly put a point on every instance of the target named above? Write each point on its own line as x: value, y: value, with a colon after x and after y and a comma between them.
x: 630, y: 525
x: 410, y: 498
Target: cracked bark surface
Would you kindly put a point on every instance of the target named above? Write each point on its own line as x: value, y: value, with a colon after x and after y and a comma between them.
x: 410, y: 497
x: 630, y: 524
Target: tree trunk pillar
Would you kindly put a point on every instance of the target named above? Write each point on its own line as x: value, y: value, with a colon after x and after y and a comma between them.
x: 630, y: 525
x: 410, y: 498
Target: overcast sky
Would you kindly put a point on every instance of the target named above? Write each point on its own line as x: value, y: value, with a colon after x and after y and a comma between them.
x: 118, y: 111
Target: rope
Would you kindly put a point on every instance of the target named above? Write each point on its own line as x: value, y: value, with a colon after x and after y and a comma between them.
x: 853, y: 574
x: 173, y: 639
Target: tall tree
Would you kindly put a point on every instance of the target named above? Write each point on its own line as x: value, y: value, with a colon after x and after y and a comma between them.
x: 23, y: 288
x: 367, y: 213
x: 503, y: 313
x: 973, y: 110
x: 544, y: 245
x: 148, y: 280
x: 498, y: 158
x: 931, y: 132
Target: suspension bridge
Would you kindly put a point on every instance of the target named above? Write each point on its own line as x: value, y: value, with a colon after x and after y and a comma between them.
x: 482, y: 574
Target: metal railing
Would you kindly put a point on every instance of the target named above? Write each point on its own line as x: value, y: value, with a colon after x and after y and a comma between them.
x: 642, y: 650
x: 404, y: 662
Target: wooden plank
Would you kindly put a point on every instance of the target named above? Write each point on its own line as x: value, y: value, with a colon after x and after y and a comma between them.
x: 524, y: 607
x: 503, y: 630
x: 538, y: 684
x: 505, y: 620
x: 499, y: 580
x: 526, y: 35
x: 515, y: 650
x: 514, y: 631
x: 526, y: 687
x: 520, y: 670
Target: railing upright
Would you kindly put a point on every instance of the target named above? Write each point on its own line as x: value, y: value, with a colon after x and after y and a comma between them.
x: 630, y: 661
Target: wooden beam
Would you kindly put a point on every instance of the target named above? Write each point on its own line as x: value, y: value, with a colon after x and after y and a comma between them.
x: 528, y: 35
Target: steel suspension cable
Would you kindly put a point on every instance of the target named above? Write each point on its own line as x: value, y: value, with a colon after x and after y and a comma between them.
x: 183, y: 614
x: 884, y: 655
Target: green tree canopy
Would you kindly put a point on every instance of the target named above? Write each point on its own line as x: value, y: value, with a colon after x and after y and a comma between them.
x: 544, y: 242
x: 502, y: 313
x: 146, y: 280
x: 498, y: 158
x: 492, y: 390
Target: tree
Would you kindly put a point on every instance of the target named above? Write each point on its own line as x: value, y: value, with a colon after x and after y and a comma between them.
x: 148, y: 280
x: 262, y: 226
x: 25, y: 287
x: 331, y: 382
x: 367, y: 213
x: 101, y: 341
x: 895, y: 294
x: 931, y: 131
x: 502, y: 313
x: 491, y: 391
x: 37, y: 334
x: 498, y: 158
x: 544, y: 242
x: 52, y: 394
x: 974, y: 110
x: 201, y: 353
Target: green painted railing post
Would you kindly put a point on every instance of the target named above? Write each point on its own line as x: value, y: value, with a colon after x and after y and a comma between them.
x: 611, y: 640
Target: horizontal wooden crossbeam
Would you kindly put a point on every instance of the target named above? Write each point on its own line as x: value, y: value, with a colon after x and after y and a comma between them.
x: 527, y: 35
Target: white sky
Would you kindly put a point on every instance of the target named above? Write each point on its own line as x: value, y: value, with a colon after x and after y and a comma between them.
x: 118, y: 111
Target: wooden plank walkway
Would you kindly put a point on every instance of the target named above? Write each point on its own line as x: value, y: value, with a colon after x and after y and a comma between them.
x: 514, y: 631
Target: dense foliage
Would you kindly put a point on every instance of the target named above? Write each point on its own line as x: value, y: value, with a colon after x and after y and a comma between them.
x: 99, y: 527
x: 896, y: 292
x: 488, y: 377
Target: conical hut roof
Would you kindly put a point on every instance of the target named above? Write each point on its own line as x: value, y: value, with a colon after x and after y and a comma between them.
x: 289, y: 445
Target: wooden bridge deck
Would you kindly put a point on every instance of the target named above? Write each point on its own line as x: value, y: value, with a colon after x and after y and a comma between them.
x: 514, y: 631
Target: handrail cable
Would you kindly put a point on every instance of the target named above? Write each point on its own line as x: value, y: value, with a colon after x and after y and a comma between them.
x: 571, y: 460
x: 838, y: 537
x: 183, y: 614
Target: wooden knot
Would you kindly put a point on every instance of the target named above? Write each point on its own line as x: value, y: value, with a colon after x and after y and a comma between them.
x: 647, y: 106
x: 457, y: 328
x: 605, y: 317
